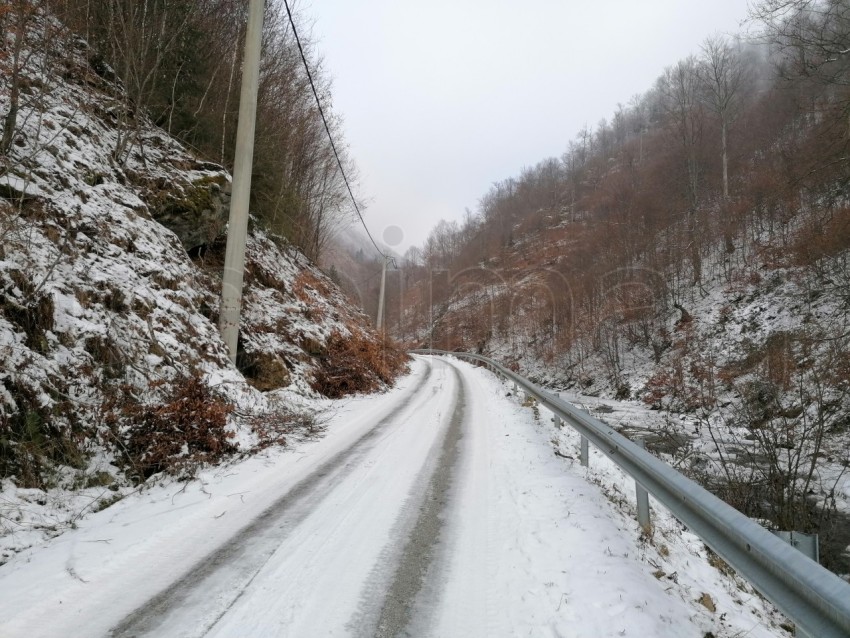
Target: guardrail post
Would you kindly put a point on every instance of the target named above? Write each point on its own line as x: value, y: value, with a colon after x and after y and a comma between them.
x: 583, y: 456
x: 642, y: 500
x: 557, y: 419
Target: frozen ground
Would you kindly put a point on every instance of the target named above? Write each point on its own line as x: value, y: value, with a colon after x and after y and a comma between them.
x: 436, y: 509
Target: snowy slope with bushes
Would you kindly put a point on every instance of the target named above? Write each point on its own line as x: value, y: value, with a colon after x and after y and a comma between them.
x: 112, y: 366
x: 689, y: 259
x: 743, y: 382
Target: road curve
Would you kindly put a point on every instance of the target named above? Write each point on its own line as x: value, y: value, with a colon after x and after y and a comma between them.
x: 437, y: 509
x: 344, y: 508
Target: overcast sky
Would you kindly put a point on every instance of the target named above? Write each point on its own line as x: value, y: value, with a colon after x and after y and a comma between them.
x: 441, y: 98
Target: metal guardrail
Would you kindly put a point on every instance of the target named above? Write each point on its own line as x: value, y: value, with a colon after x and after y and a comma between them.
x: 814, y: 598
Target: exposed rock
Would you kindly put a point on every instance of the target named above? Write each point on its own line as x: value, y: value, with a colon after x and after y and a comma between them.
x: 197, y: 214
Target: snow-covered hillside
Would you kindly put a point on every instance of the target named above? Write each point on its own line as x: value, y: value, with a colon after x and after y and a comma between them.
x: 742, y: 382
x: 112, y: 366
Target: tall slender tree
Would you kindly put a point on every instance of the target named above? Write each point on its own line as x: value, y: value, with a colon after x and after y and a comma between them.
x: 722, y: 73
x: 20, y: 13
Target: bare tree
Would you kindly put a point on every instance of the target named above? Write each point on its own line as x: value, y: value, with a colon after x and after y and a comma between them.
x: 143, y: 36
x: 679, y: 88
x: 21, y: 13
x: 722, y: 73
x: 812, y: 35
x: 812, y: 42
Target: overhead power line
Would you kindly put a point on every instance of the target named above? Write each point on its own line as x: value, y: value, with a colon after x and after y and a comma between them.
x: 328, y: 130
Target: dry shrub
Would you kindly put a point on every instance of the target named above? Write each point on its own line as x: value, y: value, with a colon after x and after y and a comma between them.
x: 256, y: 274
x: 308, y: 280
x: 357, y: 363
x: 776, y: 359
x: 822, y: 238
x: 177, y: 436
x: 719, y: 564
x: 674, y: 387
x: 276, y: 427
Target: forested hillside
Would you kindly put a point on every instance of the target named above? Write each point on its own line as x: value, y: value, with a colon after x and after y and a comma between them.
x: 179, y: 64
x: 112, y: 369
x: 692, y: 253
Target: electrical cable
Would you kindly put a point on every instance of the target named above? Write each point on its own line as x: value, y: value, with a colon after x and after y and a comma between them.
x: 328, y: 130
x: 366, y: 280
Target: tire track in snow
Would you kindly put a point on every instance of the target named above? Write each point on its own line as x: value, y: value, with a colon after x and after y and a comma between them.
x: 243, y: 556
x: 416, y: 558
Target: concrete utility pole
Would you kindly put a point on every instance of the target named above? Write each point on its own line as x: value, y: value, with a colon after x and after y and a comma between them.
x: 431, y: 314
x: 380, y: 321
x: 237, y: 231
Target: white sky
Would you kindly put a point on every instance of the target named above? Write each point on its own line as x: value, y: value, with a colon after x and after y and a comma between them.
x: 442, y: 98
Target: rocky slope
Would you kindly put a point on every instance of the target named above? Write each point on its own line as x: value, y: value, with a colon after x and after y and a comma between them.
x: 112, y: 369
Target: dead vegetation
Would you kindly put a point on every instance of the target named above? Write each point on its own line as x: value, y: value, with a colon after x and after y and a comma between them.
x: 307, y: 284
x: 357, y: 363
x: 188, y: 429
x: 278, y: 427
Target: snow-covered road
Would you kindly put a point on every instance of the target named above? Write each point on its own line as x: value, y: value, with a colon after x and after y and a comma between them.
x: 437, y: 509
